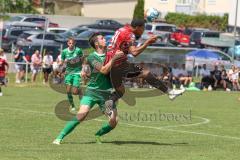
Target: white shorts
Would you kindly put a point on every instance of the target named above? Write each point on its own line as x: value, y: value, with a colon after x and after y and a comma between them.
x: 35, y: 70
x: 19, y: 67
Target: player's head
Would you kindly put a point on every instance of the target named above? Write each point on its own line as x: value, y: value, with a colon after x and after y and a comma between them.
x: 97, y: 41
x: 138, y: 27
x: 71, y: 43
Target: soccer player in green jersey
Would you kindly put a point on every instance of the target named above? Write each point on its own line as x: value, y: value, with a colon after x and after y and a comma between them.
x: 72, y: 56
x: 97, y: 92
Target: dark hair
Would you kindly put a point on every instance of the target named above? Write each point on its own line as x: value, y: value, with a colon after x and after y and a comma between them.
x: 93, y: 39
x: 137, y: 23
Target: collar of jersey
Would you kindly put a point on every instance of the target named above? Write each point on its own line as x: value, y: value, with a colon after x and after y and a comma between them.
x: 98, y: 54
x: 71, y: 51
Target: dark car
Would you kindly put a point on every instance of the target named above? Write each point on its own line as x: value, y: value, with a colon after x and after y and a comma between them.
x: 105, y: 24
x: 196, y: 37
x: 83, y: 38
x: 12, y: 31
x: 73, y: 32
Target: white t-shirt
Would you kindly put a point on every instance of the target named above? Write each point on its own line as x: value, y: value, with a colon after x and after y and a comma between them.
x: 47, y: 61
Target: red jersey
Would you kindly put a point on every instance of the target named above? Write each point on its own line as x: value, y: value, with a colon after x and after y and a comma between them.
x: 123, y: 34
x: 3, y: 63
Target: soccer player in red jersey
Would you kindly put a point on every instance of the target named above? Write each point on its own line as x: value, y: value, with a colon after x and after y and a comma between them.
x: 124, y: 40
x: 3, y: 72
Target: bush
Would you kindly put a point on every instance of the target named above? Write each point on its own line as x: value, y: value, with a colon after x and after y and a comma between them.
x: 201, y: 20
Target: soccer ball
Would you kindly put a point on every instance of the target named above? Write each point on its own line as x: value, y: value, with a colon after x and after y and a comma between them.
x: 151, y: 14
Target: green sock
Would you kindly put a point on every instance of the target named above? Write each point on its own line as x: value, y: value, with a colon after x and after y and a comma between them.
x: 104, y: 130
x: 69, y: 127
x: 70, y: 99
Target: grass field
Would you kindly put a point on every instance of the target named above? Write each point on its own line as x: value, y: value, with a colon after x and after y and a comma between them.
x: 207, y: 128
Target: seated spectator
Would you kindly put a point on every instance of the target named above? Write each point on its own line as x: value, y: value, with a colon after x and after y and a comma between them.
x: 207, y: 80
x: 233, y: 75
x: 217, y: 76
x: 175, y: 75
x: 36, y: 60
x: 184, y: 77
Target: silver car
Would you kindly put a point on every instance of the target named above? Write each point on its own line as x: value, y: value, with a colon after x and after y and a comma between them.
x: 36, y: 37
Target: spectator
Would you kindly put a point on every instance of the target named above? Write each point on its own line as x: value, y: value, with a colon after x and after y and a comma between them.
x: 175, y: 75
x: 217, y: 76
x: 207, y: 80
x: 184, y: 77
x: 234, y: 77
x: 36, y: 60
x: 58, y: 70
x: 47, y: 66
x: 20, y: 65
x: 2, y: 55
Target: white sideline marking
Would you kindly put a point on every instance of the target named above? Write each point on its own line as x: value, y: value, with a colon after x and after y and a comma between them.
x: 165, y: 128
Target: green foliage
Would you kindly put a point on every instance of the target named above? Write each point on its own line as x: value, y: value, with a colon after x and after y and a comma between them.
x: 201, y: 20
x: 17, y: 6
x: 139, y: 10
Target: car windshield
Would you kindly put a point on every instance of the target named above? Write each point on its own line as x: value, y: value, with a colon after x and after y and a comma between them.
x: 148, y: 27
x: 187, y: 32
x: 196, y: 35
x: 165, y: 28
x: 71, y: 32
x: 16, y: 18
x: 25, y: 35
x: 85, y: 34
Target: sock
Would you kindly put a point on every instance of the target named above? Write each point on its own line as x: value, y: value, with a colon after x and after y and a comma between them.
x: 153, y: 81
x: 104, y: 130
x: 69, y: 127
x: 115, y: 96
x: 70, y: 99
x: 0, y: 90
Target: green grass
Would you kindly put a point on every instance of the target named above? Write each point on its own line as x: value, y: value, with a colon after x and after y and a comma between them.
x: 28, y: 126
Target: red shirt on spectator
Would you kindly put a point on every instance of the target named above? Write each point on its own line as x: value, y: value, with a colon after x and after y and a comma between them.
x: 3, y: 63
x: 123, y: 34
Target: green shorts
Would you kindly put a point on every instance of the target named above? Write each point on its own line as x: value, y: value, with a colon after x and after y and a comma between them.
x: 92, y: 98
x: 72, y: 80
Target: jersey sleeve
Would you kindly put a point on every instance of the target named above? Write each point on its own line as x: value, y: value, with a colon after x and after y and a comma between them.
x: 94, y: 64
x: 63, y: 55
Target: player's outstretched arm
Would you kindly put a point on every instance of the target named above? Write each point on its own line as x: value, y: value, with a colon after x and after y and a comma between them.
x: 107, y: 67
x: 135, y: 51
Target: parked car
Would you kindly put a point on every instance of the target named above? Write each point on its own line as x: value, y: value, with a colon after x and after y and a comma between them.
x: 11, y: 32
x: 36, y: 37
x: 235, y: 49
x: 73, y: 32
x: 107, y: 24
x: 196, y: 36
x: 83, y: 38
x: 163, y: 30
x: 175, y: 36
x: 32, y: 18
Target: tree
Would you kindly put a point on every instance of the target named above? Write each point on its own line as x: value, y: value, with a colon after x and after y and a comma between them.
x: 139, y: 10
x: 17, y: 6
